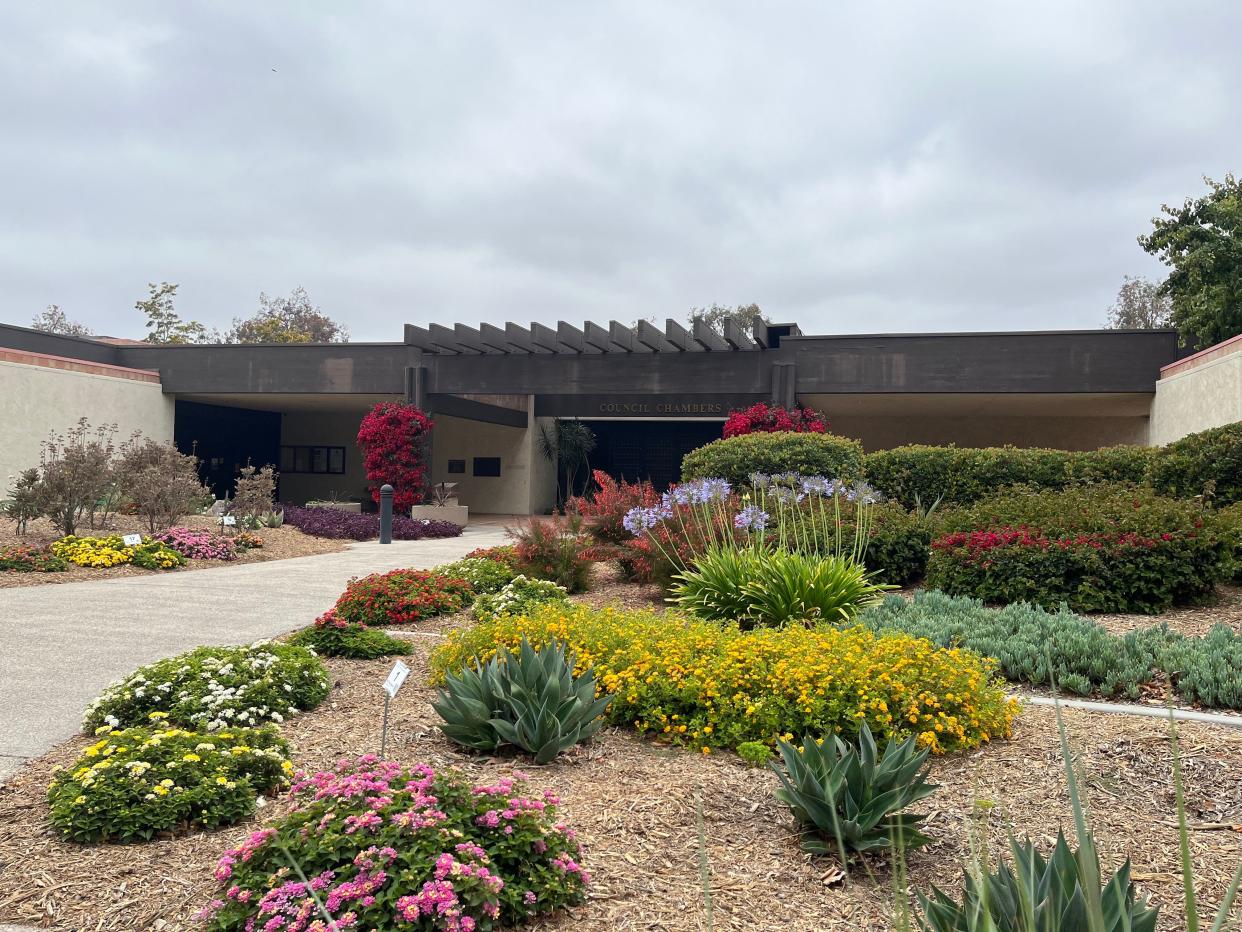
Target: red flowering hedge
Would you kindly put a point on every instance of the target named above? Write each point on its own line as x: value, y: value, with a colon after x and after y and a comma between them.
x: 399, y: 597
x: 762, y: 418
x: 1098, y: 549
x: 391, y: 437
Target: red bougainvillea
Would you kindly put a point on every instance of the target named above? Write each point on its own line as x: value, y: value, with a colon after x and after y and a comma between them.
x: 766, y: 419
x: 391, y: 437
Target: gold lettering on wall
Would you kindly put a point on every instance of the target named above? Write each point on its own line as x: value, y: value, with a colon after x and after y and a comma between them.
x: 661, y: 407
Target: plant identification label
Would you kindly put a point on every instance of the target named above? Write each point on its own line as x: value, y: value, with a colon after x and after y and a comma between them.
x: 132, y: 540
x: 228, y: 520
x: 396, y: 678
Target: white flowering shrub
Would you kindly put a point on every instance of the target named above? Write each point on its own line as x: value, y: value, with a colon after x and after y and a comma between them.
x: 483, y: 573
x: 216, y: 687
x: 518, y: 597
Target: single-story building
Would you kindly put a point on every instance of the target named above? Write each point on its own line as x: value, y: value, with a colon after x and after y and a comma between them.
x: 650, y: 394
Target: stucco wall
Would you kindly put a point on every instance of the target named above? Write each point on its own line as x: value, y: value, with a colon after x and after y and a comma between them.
x: 329, y: 428
x: 1207, y: 395
x: 38, y: 399
x: 508, y: 493
x: 1063, y: 433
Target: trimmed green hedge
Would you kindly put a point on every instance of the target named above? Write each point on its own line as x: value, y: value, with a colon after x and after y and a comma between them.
x: 961, y: 475
x: 1101, y: 548
x: 1186, y: 467
x: 737, y: 458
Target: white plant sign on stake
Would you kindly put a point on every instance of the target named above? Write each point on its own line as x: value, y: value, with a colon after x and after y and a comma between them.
x: 396, y: 679
x: 132, y: 540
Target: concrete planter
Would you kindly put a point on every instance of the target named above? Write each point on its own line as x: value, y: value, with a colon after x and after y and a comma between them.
x: 355, y: 507
x: 458, y: 514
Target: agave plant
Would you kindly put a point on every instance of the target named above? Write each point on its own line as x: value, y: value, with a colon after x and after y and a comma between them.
x: 849, y: 797
x: 270, y: 519
x: 530, y: 700
x: 1045, y: 895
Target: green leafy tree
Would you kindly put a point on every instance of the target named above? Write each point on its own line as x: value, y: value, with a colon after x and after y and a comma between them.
x: 292, y: 319
x: 54, y: 320
x: 1140, y: 305
x: 1201, y: 241
x: 716, y: 315
x: 164, y: 325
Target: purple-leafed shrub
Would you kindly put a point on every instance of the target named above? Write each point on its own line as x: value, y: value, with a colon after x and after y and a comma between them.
x: 332, y: 522
x: 348, y: 525
x: 404, y: 528
x: 198, y: 543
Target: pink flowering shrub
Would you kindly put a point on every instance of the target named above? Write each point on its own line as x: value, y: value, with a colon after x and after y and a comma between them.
x: 383, y: 847
x: 198, y: 543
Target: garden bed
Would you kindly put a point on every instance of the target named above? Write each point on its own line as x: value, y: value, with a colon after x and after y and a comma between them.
x: 278, y: 544
x: 635, y: 804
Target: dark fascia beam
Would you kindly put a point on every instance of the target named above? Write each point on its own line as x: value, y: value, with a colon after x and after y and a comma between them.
x: 596, y: 337
x: 624, y: 337
x: 708, y: 338
x: 469, y: 337
x: 421, y: 337
x: 543, y: 338
x: 736, y: 337
x: 676, y: 334
x: 468, y: 408
x: 443, y: 337
x: 496, y: 340
x: 650, y: 336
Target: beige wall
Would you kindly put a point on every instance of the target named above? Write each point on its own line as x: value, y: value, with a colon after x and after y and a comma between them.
x: 36, y: 400
x: 459, y: 439
x: 1062, y: 433
x: 328, y: 428
x: 1208, y: 395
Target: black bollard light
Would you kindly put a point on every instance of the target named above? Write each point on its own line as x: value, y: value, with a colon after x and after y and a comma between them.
x: 385, y: 514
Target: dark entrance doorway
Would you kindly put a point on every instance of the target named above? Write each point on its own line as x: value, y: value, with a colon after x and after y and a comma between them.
x: 225, y: 439
x: 648, y: 449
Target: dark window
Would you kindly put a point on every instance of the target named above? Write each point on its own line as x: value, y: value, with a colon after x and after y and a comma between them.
x: 487, y: 465
x: 313, y: 459
x: 457, y: 466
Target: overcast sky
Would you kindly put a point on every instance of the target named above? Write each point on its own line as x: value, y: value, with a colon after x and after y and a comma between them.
x: 902, y: 167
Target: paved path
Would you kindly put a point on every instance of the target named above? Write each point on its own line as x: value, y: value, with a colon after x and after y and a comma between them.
x: 60, y: 645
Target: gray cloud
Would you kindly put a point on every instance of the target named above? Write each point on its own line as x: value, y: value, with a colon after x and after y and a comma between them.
x: 904, y: 167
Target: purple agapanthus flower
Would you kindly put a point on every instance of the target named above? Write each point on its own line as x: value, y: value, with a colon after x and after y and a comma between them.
x: 751, y: 518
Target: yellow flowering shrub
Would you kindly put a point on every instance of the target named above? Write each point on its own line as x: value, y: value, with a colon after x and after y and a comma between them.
x: 104, y: 552
x: 139, y: 782
x: 708, y: 685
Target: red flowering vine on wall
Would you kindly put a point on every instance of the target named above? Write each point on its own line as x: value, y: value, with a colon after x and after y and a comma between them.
x: 391, y: 438
x: 766, y: 419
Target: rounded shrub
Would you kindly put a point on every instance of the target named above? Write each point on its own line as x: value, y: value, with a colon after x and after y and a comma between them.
x: 137, y: 783
x: 216, y: 687
x: 1103, y: 548
x: 384, y: 847
x: 737, y: 458
x: 518, y: 597
x: 484, y: 574
x: 707, y: 685
x: 330, y: 636
x: 400, y: 597
x: 920, y: 475
x: 109, y: 551
x: 1210, y: 459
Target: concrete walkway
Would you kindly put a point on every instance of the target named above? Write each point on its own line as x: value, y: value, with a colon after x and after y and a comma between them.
x: 60, y: 645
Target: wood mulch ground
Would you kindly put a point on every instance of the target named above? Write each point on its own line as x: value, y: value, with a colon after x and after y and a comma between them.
x: 278, y: 544
x: 1225, y: 608
x: 639, y: 807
